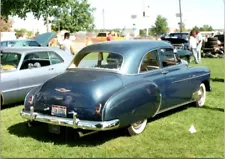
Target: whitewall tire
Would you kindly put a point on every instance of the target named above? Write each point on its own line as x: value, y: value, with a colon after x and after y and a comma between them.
x: 201, y: 96
x: 137, y: 128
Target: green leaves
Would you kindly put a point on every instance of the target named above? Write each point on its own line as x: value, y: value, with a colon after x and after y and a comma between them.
x: 73, y: 16
x: 161, y: 25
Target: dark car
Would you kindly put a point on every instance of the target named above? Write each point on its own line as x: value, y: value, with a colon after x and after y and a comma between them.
x: 180, y: 43
x: 117, y: 84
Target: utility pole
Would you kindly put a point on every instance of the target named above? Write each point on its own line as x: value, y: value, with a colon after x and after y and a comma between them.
x: 103, y: 18
x: 181, y: 23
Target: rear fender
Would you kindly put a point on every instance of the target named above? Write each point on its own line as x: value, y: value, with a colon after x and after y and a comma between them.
x: 29, y: 94
x: 133, y: 103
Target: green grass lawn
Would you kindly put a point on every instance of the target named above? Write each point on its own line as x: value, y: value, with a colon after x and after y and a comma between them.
x: 166, y: 136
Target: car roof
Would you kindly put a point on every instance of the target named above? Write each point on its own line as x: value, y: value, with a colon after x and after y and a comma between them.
x: 25, y: 50
x: 125, y: 47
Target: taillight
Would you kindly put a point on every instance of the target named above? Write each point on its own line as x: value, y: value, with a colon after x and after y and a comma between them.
x: 98, y: 108
x: 30, y: 100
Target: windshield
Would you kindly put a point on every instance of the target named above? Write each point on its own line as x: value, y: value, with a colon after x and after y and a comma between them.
x: 10, y: 60
x: 98, y: 60
x: 101, y: 35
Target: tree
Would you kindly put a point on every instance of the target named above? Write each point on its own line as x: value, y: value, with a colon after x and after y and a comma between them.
x: 73, y: 16
x: 195, y: 28
x: 22, y: 7
x: 206, y: 28
x: 6, y: 24
x: 161, y: 25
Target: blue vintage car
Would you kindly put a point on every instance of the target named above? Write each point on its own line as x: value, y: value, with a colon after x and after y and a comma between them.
x: 117, y: 84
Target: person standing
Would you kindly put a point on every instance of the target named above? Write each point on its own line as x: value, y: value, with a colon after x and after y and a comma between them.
x: 193, y: 45
x: 109, y: 37
x: 67, y: 45
x: 199, y: 44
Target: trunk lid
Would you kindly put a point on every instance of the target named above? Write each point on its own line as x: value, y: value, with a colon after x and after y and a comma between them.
x: 80, y: 91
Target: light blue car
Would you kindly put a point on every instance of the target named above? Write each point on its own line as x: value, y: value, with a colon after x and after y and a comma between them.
x: 41, y: 40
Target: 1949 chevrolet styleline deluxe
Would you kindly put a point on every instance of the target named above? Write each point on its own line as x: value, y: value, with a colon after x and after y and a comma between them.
x: 117, y: 84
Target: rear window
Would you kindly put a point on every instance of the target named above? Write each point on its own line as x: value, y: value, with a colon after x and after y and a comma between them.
x: 99, y: 60
x: 101, y: 35
x: 33, y: 43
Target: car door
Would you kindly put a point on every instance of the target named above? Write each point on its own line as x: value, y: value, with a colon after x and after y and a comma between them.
x: 150, y: 70
x: 35, y: 70
x: 9, y: 77
x: 177, y: 79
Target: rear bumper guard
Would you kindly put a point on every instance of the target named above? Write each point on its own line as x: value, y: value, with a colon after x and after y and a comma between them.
x: 68, y: 122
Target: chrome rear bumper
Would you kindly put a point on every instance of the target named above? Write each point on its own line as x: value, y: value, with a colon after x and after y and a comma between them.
x: 67, y: 122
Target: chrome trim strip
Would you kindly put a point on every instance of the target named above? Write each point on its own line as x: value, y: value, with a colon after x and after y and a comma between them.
x: 16, y: 89
x: 73, y: 123
x: 194, y: 76
x: 160, y: 104
x: 173, y: 107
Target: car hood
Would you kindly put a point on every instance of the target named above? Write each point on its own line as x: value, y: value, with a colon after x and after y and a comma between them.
x: 44, y: 39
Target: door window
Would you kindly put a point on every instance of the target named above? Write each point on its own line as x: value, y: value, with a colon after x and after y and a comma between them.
x: 55, y: 58
x: 35, y: 60
x: 3, y: 44
x: 149, y: 62
x: 168, y: 57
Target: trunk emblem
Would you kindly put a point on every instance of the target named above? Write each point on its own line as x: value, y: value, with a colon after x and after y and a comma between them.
x: 63, y: 90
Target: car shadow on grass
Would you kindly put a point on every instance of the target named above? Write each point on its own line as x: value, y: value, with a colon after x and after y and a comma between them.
x: 70, y: 137
x: 11, y: 105
x: 211, y: 108
x: 217, y: 79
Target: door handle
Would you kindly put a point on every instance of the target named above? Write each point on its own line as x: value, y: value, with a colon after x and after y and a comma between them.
x: 192, y: 75
x: 165, y: 72
x: 51, y: 69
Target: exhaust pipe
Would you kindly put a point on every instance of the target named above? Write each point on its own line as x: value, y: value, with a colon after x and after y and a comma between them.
x: 81, y: 134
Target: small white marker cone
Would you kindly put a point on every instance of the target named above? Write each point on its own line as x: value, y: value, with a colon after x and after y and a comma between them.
x: 192, y: 129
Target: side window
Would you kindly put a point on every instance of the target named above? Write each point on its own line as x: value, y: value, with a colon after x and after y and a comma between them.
x: 168, y: 57
x: 55, y: 58
x: 4, y: 44
x: 149, y: 62
x: 35, y: 60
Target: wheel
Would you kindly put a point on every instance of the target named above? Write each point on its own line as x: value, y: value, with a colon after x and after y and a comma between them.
x: 202, y: 95
x: 137, y: 128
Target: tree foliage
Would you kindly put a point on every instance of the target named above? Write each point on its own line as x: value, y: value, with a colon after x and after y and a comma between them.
x: 161, y: 25
x: 206, y: 28
x: 203, y: 28
x: 6, y: 24
x: 73, y: 16
x: 20, y: 8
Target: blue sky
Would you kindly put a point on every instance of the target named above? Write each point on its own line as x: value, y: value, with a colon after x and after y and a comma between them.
x: 118, y: 13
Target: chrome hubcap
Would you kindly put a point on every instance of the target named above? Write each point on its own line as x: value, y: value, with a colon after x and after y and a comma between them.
x: 137, y: 125
x: 201, y: 95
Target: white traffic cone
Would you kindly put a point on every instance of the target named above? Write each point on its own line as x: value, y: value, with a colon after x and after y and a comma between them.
x: 192, y: 129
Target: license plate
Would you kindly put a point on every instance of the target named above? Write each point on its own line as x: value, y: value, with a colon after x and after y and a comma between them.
x: 55, y: 129
x: 58, y: 110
